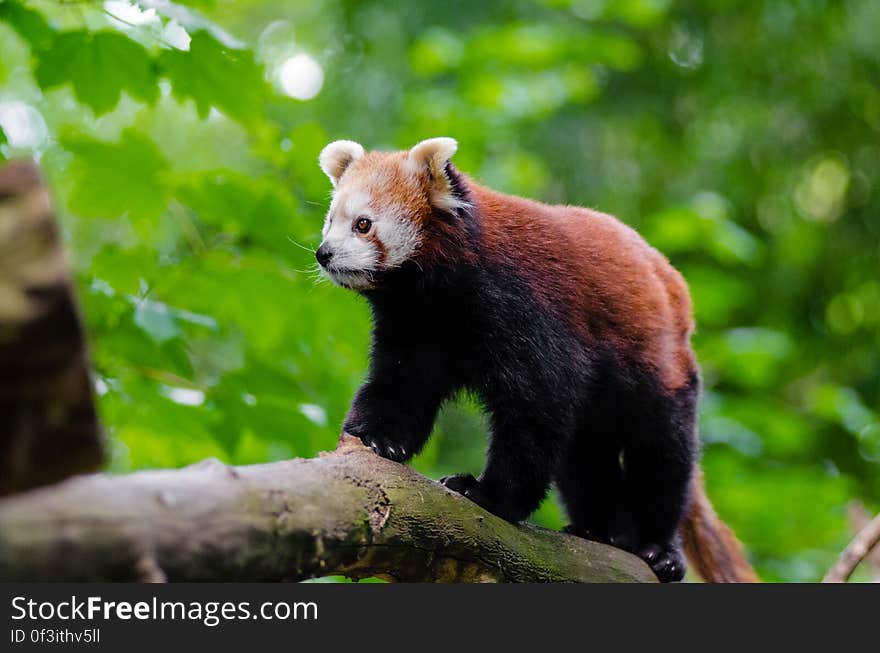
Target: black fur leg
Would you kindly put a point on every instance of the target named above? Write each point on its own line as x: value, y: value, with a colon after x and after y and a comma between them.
x: 468, y: 486
x: 393, y: 412
x: 661, y: 452
x: 590, y: 478
x: 624, y: 478
x: 521, y: 456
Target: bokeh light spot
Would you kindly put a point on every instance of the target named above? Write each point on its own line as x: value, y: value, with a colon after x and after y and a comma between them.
x: 301, y: 77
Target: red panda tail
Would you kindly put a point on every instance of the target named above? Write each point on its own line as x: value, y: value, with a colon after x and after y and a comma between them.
x: 709, y: 544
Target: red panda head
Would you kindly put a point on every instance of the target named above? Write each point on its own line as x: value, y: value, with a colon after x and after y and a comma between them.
x: 382, y: 202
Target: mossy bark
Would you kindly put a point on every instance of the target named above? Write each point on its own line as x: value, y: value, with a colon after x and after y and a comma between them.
x: 348, y: 512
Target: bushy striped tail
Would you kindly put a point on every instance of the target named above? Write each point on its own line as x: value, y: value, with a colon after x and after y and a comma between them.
x: 710, y: 546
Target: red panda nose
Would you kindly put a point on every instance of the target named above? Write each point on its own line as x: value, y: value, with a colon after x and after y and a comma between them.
x: 323, y: 254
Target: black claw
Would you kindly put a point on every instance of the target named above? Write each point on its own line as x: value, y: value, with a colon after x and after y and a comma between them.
x: 385, y: 449
x: 460, y: 483
x: 650, y: 554
x: 666, y: 561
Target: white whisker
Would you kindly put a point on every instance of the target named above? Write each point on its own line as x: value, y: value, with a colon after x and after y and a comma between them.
x: 300, y: 245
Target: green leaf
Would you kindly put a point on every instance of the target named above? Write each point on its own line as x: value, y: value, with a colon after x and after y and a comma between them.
x: 100, y: 65
x: 115, y: 179
x: 158, y: 430
x: 215, y: 75
x: 29, y: 24
x: 259, y: 211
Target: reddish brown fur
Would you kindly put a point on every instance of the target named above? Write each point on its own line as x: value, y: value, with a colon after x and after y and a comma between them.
x: 374, y: 240
x: 710, y: 545
x: 384, y: 176
x: 616, y: 287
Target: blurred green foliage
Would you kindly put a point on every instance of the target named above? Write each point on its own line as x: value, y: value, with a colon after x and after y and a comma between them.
x: 741, y: 138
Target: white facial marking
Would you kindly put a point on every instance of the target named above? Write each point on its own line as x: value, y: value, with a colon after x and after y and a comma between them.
x: 357, y: 203
x: 356, y: 258
x: 351, y: 252
x: 399, y: 236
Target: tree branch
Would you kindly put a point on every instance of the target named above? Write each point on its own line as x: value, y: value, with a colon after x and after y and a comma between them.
x: 859, y: 518
x: 348, y: 512
x: 858, y: 549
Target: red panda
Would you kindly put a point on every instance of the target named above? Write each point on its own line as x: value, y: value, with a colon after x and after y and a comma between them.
x: 570, y: 328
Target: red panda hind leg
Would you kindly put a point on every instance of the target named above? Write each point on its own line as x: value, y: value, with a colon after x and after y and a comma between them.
x: 624, y: 478
x: 527, y: 429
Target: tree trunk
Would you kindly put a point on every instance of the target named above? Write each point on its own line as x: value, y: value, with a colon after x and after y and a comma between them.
x: 48, y: 425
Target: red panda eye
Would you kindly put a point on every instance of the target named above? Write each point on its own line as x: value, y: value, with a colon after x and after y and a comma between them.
x: 362, y: 225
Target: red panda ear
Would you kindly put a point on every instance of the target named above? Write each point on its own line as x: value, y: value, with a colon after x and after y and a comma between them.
x: 337, y: 156
x: 430, y: 158
x: 433, y: 154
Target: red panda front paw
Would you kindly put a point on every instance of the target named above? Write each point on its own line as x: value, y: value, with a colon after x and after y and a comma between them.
x: 386, y: 448
x: 467, y: 486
